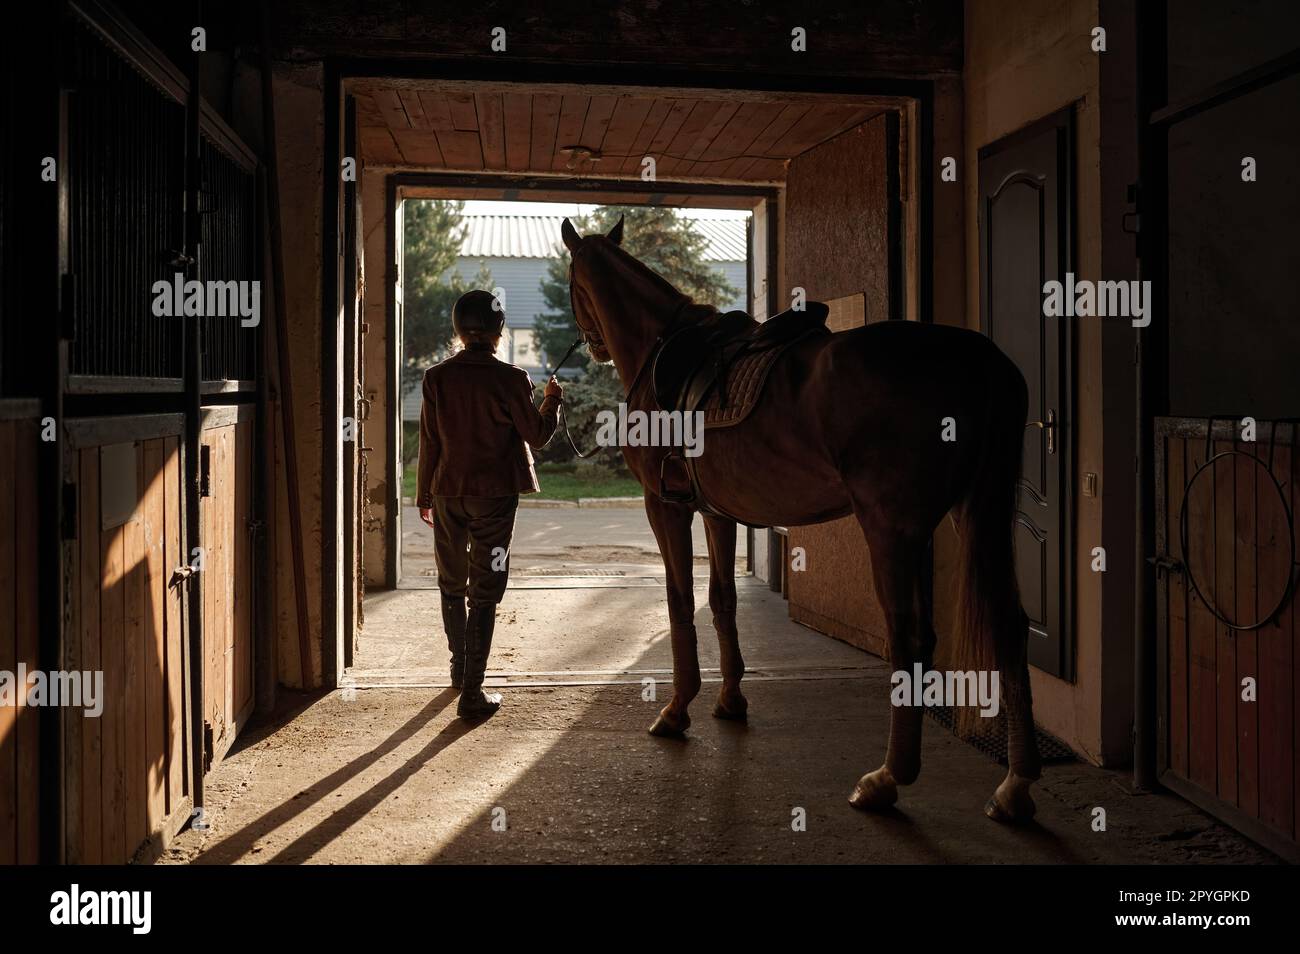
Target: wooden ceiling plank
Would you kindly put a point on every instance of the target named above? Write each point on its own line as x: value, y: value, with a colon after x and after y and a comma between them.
x: 678, y: 113
x: 414, y: 110
x: 378, y: 146
x: 766, y: 141
x: 367, y: 112
x: 599, y: 114
x: 654, y: 119
x: 734, y: 138
x: 629, y: 116
x: 546, y: 117
x: 492, y: 133
x: 568, y: 132
x: 437, y: 110
x: 518, y: 128
x: 390, y: 107
x: 419, y: 147
x: 463, y: 115
x: 460, y: 149
x: 815, y: 127
x: 675, y: 154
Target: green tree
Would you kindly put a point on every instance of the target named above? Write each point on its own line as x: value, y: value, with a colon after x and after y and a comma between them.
x: 433, y: 231
x: 657, y: 236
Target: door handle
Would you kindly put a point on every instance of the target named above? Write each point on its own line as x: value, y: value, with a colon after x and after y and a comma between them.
x: 1049, y: 426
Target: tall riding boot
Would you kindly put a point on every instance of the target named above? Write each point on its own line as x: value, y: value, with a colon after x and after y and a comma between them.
x: 474, y: 702
x: 453, y: 623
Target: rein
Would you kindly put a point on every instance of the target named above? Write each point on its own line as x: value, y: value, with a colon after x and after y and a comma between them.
x: 664, y: 335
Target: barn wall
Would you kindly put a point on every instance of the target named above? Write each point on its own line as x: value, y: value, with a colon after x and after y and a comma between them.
x: 835, y: 241
x: 1024, y: 62
x: 299, y: 119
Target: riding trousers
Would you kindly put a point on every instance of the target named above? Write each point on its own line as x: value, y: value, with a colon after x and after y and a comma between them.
x: 472, y: 545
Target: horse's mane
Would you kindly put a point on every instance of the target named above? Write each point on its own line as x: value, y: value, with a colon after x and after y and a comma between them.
x: 691, y: 310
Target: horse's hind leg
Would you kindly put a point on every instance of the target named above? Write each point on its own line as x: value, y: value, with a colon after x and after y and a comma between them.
x: 672, y: 528
x: 721, y: 534
x: 895, y: 563
x: 1012, y: 802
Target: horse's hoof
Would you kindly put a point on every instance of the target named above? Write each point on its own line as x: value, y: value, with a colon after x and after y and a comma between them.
x: 1011, y: 804
x: 670, y: 725
x: 734, y: 707
x: 875, y: 791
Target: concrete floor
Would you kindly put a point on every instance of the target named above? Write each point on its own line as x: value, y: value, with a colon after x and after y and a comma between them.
x: 381, y: 771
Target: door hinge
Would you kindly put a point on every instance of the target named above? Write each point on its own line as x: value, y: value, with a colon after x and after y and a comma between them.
x: 205, y: 470
x: 69, y: 511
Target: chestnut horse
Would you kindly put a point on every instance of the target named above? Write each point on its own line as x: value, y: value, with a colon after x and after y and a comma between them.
x: 850, y: 423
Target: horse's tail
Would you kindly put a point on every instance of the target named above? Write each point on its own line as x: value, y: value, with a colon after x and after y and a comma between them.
x: 992, y: 629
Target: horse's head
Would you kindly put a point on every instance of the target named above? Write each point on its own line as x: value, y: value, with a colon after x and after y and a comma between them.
x: 588, y: 283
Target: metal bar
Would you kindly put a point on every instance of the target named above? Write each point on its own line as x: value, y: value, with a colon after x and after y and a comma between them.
x: 193, y: 379
x: 1150, y: 357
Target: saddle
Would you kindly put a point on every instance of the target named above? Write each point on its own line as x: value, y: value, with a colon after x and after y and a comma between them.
x: 719, y: 367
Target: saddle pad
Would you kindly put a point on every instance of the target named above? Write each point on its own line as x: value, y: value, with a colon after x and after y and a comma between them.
x: 735, y: 395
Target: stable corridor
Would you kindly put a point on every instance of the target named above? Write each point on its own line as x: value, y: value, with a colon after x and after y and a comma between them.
x: 380, y: 770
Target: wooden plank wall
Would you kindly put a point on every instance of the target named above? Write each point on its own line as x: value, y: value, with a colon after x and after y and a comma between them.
x: 1239, y: 751
x: 228, y: 581
x: 19, y: 732
x: 125, y: 774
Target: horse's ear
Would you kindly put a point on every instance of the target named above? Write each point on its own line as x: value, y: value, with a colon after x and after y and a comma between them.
x: 570, y: 235
x: 616, y: 233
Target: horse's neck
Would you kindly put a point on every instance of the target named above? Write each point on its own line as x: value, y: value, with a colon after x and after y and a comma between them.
x: 643, y: 321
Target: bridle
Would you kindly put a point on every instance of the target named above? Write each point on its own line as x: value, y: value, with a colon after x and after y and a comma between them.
x: 584, y: 337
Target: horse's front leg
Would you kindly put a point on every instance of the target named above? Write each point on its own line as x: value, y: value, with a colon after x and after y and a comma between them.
x: 672, y: 528
x: 721, y: 534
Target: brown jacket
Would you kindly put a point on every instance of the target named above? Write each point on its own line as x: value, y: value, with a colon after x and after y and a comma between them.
x: 476, y: 423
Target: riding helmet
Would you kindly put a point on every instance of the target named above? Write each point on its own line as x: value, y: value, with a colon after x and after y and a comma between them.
x: 477, y: 315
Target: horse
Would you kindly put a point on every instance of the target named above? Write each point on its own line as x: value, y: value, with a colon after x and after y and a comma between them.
x: 898, y: 423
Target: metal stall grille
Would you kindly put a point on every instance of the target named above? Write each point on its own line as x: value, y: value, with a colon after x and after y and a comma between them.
x: 228, y: 252
x: 126, y: 148
x: 126, y: 173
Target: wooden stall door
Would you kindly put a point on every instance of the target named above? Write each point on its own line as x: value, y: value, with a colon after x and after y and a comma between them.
x: 225, y: 512
x: 1228, y: 720
x: 19, y: 724
x: 125, y: 770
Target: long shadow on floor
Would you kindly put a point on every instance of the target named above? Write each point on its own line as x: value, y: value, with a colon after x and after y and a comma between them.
x: 239, y: 843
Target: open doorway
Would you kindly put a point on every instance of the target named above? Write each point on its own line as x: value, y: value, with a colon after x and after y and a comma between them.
x: 587, y: 524
x: 576, y: 546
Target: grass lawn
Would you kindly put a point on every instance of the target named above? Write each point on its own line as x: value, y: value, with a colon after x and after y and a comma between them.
x: 558, y: 482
